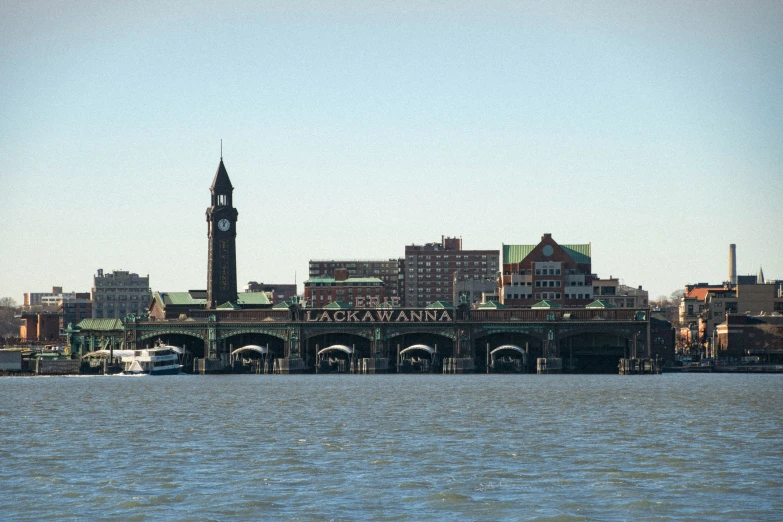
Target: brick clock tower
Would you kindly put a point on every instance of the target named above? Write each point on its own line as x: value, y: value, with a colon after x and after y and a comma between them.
x: 222, y: 232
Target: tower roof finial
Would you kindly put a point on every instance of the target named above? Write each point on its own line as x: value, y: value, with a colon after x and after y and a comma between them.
x: 221, y: 149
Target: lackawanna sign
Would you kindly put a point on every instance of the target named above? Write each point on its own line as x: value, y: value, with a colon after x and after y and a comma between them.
x: 378, y: 316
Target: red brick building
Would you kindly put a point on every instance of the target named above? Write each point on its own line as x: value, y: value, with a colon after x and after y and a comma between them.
x: 751, y: 335
x: 546, y: 271
x: 40, y: 326
x: 354, y: 291
x: 73, y: 311
x: 276, y: 292
x: 430, y: 270
x: 389, y: 271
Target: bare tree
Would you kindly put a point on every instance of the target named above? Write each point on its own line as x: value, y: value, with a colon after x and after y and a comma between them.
x: 9, y: 325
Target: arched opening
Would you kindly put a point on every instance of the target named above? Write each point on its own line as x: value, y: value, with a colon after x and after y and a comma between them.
x: 507, y: 360
x: 335, y: 352
x: 593, y: 352
x: 337, y: 358
x: 417, y: 358
x: 253, y: 360
x: 441, y: 345
x: 250, y: 359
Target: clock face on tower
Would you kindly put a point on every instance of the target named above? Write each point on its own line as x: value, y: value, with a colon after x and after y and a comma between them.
x: 224, y: 224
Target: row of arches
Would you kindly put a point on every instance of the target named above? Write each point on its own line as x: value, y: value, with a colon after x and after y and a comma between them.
x: 421, y: 352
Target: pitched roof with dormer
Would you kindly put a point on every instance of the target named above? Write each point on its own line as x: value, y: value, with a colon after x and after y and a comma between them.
x: 700, y: 292
x: 193, y: 299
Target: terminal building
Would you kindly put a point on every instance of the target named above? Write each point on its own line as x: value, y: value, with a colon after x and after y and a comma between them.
x: 346, y: 324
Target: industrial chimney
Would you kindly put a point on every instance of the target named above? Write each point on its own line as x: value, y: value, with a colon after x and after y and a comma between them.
x: 733, y: 264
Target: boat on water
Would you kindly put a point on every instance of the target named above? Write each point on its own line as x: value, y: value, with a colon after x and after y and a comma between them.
x: 160, y: 360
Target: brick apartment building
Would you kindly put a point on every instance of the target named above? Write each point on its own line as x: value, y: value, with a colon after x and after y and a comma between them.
x: 276, y: 292
x: 430, y: 270
x: 74, y: 310
x: 354, y: 291
x: 389, y: 271
x: 546, y: 271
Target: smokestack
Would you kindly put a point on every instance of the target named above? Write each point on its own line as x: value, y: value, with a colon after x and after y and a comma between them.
x: 733, y: 264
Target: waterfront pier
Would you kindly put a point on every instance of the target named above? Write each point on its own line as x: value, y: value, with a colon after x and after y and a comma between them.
x: 452, y: 340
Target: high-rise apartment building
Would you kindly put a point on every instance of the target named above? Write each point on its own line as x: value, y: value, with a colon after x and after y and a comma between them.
x: 118, y: 294
x: 430, y: 270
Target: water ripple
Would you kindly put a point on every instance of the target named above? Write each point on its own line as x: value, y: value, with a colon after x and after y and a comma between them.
x: 685, y: 447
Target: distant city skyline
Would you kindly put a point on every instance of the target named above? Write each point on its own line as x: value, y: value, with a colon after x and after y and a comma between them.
x: 651, y: 132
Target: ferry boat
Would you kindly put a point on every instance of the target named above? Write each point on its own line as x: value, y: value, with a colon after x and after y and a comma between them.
x: 161, y: 360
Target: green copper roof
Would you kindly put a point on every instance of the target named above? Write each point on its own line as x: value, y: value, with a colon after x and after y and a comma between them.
x: 579, y: 253
x: 178, y: 298
x: 338, y: 304
x: 600, y: 304
x: 252, y: 298
x: 440, y: 304
x: 100, y: 324
x: 282, y: 304
x: 492, y: 305
x: 229, y: 304
x: 516, y: 253
x: 545, y: 304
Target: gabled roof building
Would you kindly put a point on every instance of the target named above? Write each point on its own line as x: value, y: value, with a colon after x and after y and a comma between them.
x: 561, y: 274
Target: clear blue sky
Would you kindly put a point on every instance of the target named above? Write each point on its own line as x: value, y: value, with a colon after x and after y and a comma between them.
x: 654, y: 133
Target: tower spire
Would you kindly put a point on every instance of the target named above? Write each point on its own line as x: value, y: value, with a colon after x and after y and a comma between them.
x: 221, y: 149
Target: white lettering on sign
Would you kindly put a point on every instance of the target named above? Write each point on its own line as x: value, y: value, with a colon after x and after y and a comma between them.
x: 372, y: 316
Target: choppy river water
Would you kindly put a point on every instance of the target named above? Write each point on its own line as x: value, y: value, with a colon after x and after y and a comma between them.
x: 396, y: 447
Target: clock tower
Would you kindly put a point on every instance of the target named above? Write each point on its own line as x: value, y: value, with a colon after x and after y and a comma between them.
x: 222, y: 232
